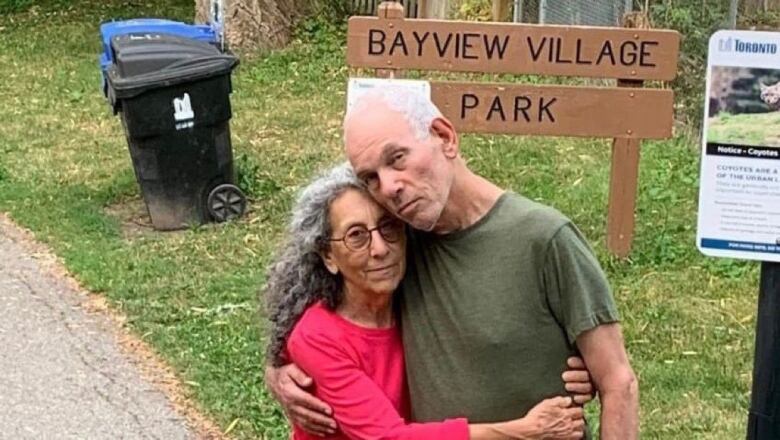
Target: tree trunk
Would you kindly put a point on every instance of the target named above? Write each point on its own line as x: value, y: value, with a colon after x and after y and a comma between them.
x: 254, y: 24
x: 433, y: 9
x: 754, y: 6
x: 500, y: 10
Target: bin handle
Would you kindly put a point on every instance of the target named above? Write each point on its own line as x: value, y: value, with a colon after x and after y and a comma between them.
x: 144, y: 80
x: 179, y: 64
x: 194, y: 61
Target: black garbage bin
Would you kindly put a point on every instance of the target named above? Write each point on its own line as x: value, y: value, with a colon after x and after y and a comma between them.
x: 173, y: 95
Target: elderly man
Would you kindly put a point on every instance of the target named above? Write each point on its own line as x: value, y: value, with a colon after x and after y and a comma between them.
x: 499, y: 291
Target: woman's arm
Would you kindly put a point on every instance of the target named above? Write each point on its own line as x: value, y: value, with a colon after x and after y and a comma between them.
x: 551, y: 419
x: 292, y: 389
x: 363, y: 410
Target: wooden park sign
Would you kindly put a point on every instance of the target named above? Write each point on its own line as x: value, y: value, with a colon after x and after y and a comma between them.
x: 627, y: 113
x: 512, y: 48
x: 559, y: 110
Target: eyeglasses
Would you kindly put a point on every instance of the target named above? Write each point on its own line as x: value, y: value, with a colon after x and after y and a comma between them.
x: 358, y: 238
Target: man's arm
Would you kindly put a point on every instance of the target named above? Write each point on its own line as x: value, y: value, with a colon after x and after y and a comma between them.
x: 605, y: 355
x: 580, y: 300
x: 287, y: 384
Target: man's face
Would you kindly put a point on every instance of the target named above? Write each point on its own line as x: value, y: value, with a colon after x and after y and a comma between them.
x: 409, y: 177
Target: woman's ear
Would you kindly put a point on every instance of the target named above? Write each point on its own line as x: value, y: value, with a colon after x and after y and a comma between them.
x: 330, y: 263
x: 443, y: 129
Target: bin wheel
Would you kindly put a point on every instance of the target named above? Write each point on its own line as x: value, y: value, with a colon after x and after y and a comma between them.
x: 226, y: 202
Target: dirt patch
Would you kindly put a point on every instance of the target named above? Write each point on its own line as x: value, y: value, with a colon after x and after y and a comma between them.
x: 152, y: 367
x: 133, y: 218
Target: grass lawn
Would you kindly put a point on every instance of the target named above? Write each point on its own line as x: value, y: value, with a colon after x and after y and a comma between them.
x: 65, y: 173
x: 749, y: 129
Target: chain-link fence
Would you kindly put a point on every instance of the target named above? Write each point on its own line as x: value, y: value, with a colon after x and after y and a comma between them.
x: 579, y: 12
x: 368, y: 7
x: 574, y: 12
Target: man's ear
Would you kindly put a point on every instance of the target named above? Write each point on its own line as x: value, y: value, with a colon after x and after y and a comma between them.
x: 330, y: 264
x: 443, y: 129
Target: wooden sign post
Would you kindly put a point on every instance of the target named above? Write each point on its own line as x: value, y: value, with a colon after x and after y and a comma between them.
x: 500, y: 10
x: 627, y: 113
x: 392, y: 12
x: 624, y: 174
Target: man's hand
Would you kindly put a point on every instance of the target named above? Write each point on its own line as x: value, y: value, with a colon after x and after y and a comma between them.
x: 577, y: 381
x: 287, y: 384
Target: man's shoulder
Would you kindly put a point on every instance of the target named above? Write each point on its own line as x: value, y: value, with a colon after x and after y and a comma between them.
x: 514, y: 222
x: 531, y: 218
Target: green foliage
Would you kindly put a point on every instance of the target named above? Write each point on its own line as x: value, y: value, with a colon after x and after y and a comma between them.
x: 331, y: 10
x: 324, y: 35
x: 696, y: 23
x: 767, y: 20
x: 697, y: 20
x: 477, y: 10
x: 251, y: 178
x: 12, y: 6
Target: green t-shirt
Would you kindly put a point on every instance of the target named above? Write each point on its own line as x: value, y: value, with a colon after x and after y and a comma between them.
x: 490, y: 313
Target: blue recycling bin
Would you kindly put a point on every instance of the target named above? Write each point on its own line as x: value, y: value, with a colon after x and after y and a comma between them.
x: 208, y: 33
x: 170, y: 84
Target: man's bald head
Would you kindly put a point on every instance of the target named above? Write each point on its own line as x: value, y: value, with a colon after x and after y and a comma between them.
x: 416, y: 108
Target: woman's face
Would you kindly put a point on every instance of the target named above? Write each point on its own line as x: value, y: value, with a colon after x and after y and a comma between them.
x: 368, y: 246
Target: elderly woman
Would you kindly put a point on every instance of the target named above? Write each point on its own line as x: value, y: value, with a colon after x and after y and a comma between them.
x: 330, y: 297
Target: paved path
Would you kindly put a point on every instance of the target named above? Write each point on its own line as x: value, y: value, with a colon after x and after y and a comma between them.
x: 62, y: 374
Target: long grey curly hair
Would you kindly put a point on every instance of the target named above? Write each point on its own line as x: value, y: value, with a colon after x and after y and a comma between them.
x: 297, y: 277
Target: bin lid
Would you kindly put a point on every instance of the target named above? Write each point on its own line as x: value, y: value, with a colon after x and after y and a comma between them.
x: 110, y: 29
x: 209, y: 33
x: 149, y: 61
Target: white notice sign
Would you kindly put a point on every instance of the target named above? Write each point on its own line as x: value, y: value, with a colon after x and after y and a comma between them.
x: 739, y: 196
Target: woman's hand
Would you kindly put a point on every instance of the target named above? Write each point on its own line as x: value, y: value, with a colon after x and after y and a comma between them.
x: 551, y: 419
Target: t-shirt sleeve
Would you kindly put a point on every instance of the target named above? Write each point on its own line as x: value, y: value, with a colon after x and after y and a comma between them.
x: 360, y: 407
x: 576, y: 287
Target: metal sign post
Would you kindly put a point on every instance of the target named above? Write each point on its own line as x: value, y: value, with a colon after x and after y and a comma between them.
x: 217, y: 20
x: 764, y: 417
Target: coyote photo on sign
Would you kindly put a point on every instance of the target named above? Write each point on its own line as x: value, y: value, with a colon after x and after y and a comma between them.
x: 743, y: 106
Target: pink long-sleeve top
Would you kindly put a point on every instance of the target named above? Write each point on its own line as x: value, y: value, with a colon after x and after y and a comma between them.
x: 360, y: 373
